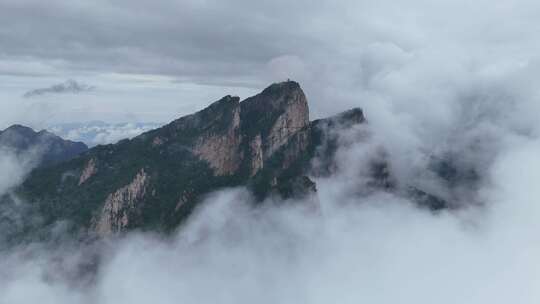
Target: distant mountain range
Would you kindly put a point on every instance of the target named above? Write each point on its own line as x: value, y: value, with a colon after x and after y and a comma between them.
x: 154, y: 181
x: 44, y: 147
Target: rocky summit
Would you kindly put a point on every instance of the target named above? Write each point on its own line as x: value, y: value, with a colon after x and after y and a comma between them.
x: 155, y: 180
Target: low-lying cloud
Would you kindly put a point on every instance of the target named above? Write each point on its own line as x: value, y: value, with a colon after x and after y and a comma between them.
x: 100, y: 133
x: 376, y: 247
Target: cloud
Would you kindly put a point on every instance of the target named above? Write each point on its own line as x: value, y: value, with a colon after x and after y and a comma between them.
x: 100, y: 133
x: 356, y: 247
x: 186, y: 39
x: 68, y: 87
x: 351, y: 53
x: 15, y: 167
x: 434, y: 78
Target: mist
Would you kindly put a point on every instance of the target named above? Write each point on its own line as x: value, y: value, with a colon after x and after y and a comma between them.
x: 376, y: 247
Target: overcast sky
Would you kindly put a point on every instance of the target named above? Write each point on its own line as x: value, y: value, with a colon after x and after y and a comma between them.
x: 155, y: 61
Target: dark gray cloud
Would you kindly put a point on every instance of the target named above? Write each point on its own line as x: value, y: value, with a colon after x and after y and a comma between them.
x: 68, y: 87
x: 188, y: 39
x: 342, y: 52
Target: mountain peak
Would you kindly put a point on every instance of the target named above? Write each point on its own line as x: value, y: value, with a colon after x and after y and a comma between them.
x: 282, y: 106
x: 265, y: 142
x: 49, y: 147
x: 280, y: 87
x: 19, y: 129
x: 228, y: 99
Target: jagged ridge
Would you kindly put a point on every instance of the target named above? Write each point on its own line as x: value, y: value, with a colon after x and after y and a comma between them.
x: 154, y: 181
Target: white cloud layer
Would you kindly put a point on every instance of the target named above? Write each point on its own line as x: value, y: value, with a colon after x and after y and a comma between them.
x: 346, y: 53
x: 376, y: 249
x: 100, y: 133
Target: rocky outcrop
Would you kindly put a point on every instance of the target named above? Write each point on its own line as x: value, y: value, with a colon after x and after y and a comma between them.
x: 222, y: 149
x: 273, y: 117
x: 308, y: 152
x: 185, y: 198
x: 233, y: 136
x: 119, y: 205
x: 256, y: 159
x: 158, y: 141
x: 325, y: 134
x: 89, y: 170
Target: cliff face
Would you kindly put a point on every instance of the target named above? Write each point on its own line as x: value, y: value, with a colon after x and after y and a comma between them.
x: 46, y: 148
x: 154, y: 181
x: 273, y: 117
x: 219, y: 142
x: 238, y: 137
x: 120, y: 206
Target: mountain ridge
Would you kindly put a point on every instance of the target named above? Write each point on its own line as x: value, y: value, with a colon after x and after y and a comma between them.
x: 155, y: 180
x: 43, y: 146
